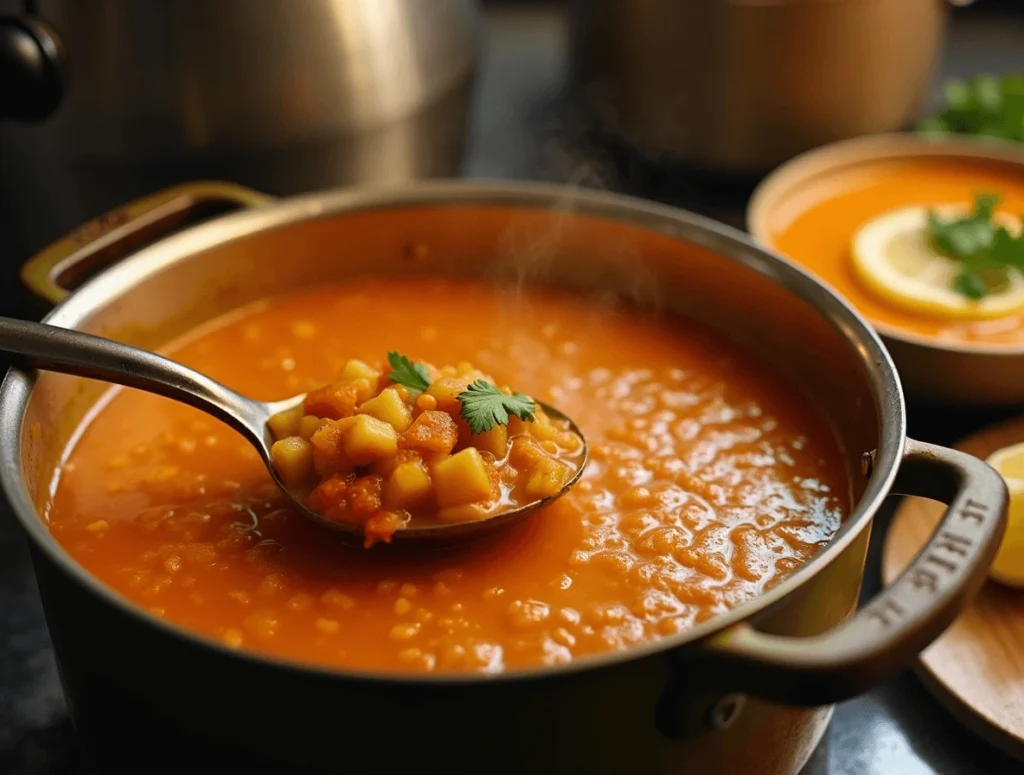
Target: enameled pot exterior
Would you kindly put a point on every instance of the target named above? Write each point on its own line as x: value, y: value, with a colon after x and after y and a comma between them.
x: 745, y: 692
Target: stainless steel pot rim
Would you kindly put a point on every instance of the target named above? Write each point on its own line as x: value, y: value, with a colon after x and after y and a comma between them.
x: 859, y: 150
x: 885, y: 386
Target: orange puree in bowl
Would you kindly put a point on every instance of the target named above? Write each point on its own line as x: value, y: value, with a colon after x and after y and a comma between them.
x: 814, y: 223
x: 711, y: 479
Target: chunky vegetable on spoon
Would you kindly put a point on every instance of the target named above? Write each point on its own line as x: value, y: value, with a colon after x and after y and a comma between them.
x: 414, y: 444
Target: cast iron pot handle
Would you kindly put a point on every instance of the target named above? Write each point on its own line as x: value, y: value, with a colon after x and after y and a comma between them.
x: 886, y: 634
x: 59, y: 268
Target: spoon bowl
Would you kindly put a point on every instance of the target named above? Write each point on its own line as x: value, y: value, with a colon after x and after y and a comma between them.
x: 52, y: 348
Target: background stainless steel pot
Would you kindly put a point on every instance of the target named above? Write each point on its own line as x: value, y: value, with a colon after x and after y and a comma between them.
x: 740, y: 86
x: 287, y: 96
x: 743, y: 692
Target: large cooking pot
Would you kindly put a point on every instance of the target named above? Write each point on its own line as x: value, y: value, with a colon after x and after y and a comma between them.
x: 122, y: 98
x: 739, y: 86
x: 745, y: 692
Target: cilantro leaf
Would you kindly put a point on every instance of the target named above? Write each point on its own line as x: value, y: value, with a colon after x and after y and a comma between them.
x: 409, y: 373
x: 985, y: 105
x: 986, y: 252
x: 971, y: 285
x: 484, y: 406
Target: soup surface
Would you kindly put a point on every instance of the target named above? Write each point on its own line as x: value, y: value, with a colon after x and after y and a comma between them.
x: 816, y: 222
x: 710, y: 479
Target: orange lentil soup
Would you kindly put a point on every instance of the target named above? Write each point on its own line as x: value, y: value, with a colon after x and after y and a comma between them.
x: 816, y: 222
x: 710, y: 479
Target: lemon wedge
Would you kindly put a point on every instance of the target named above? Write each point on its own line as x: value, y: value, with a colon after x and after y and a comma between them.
x: 1008, y: 566
x: 893, y: 257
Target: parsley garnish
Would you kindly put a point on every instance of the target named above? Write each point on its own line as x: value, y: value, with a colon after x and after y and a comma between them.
x: 987, y: 252
x: 409, y: 373
x: 484, y: 406
x: 985, y: 105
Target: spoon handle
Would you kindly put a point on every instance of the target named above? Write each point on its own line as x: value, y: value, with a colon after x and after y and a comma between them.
x: 52, y: 348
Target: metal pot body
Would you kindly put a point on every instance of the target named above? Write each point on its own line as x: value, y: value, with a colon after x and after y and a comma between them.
x: 741, y: 86
x: 138, y: 697
x: 744, y: 692
x: 284, y: 96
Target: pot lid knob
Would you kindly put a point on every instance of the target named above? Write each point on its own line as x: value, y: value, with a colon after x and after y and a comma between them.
x: 31, y: 69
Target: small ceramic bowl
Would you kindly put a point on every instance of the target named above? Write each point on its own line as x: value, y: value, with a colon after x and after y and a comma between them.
x: 944, y: 371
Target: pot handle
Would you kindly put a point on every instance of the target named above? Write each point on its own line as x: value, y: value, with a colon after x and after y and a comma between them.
x: 60, y: 267
x: 886, y: 634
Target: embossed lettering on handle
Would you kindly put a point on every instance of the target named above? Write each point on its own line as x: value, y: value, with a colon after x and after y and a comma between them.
x: 887, y: 633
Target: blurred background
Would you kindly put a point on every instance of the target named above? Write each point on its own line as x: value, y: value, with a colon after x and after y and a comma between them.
x: 689, y: 103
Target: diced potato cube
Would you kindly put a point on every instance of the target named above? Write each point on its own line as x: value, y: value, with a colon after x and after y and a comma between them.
x: 462, y: 478
x: 544, y: 431
x: 293, y: 460
x: 446, y: 392
x: 309, y: 425
x: 286, y: 423
x: 467, y: 512
x: 355, y: 369
x: 494, y: 441
x: 389, y: 407
x: 329, y: 455
x: 525, y: 453
x: 545, y: 478
x: 365, y: 390
x: 433, y: 432
x: 408, y: 486
x: 333, y: 401
x: 517, y: 427
x: 387, y: 465
x: 569, y: 441
x: 369, y: 439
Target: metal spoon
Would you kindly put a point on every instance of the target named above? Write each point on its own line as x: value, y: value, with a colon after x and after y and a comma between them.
x: 84, y: 355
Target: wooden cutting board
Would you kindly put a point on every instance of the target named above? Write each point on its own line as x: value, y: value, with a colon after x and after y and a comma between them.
x: 976, y: 668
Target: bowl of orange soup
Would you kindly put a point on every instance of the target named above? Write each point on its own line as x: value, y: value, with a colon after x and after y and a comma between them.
x: 855, y: 214
x: 689, y: 606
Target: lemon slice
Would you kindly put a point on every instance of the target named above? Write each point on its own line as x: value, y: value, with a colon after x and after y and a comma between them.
x: 893, y: 257
x: 1008, y: 566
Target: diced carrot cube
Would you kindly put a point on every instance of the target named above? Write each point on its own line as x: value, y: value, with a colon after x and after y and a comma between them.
x: 433, y: 431
x: 525, y: 453
x: 381, y: 527
x: 364, y: 494
x: 328, y: 453
x: 334, y: 401
x: 328, y: 498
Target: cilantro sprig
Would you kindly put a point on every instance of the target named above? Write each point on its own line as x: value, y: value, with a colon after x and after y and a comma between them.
x: 409, y: 373
x: 484, y: 406
x: 986, y: 251
x: 985, y: 105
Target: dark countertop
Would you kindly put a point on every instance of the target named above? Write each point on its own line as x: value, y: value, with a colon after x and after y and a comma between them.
x: 521, y: 130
